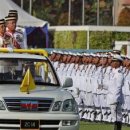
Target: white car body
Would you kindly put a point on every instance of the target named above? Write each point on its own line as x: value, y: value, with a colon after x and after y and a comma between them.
x: 47, y: 106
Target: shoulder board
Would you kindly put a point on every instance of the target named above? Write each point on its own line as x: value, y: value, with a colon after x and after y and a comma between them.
x: 19, y: 31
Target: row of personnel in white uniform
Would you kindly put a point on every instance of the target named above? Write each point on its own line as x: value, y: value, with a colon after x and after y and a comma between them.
x: 96, y: 87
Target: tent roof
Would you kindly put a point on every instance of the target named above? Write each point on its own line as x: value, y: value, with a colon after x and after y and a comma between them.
x: 24, y: 18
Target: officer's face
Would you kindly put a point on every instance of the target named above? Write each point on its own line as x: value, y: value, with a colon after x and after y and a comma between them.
x: 125, y: 62
x: 58, y: 56
x: 64, y: 58
x: 87, y: 59
x: 104, y: 62
x: 11, y: 24
x: 68, y: 58
x: 128, y: 64
x: 77, y: 59
x: 96, y: 60
x: 83, y: 59
x: 115, y: 64
x: 52, y: 56
x: 2, y: 29
x: 73, y: 59
x: 109, y: 60
x: 90, y: 59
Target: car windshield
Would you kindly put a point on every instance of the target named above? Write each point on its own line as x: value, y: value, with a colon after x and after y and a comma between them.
x: 14, y: 70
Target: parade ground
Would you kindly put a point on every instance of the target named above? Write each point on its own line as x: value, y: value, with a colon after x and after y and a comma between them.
x: 99, y: 126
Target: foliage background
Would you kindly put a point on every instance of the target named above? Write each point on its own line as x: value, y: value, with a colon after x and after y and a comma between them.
x: 78, y: 39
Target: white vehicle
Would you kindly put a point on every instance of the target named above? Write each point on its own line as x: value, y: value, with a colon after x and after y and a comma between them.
x: 31, y: 97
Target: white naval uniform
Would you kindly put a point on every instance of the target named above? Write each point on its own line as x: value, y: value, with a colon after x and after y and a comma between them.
x: 18, y: 38
x: 89, y: 87
x: 89, y: 95
x: 71, y: 72
x: 55, y: 64
x: 106, y: 116
x: 60, y: 72
x: 96, y: 92
x: 126, y: 94
x: 82, y: 88
x: 114, y: 96
x: 23, y: 37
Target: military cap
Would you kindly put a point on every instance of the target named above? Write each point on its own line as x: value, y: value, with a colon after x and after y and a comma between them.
x: 2, y: 21
x: 13, y: 13
x: 117, y: 58
x: 8, y: 18
x: 117, y: 52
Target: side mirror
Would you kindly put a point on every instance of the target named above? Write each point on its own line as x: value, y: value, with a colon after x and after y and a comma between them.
x: 68, y: 83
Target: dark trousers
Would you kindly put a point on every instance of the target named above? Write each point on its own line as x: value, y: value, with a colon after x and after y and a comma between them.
x: 117, y: 125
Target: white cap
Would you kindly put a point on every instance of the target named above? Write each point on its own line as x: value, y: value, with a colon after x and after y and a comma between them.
x: 104, y: 56
x: 66, y: 53
x: 60, y: 52
x: 91, y: 54
x: 70, y: 53
x: 78, y: 54
x: 117, y: 57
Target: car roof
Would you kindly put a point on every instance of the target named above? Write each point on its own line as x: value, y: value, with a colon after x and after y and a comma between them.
x: 22, y: 56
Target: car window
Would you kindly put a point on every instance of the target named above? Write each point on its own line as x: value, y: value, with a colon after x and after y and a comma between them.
x: 12, y: 69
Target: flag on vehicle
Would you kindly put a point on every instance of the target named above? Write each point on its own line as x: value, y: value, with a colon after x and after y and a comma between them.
x: 28, y: 82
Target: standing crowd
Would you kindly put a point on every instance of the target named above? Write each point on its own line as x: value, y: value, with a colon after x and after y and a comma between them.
x: 9, y: 36
x: 101, y: 84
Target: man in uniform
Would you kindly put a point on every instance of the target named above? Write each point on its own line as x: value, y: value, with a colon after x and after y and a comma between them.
x: 14, y: 38
x: 114, y: 96
x: 2, y: 31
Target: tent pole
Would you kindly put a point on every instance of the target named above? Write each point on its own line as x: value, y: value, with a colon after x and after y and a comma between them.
x: 83, y: 12
x: 69, y: 15
x: 30, y: 6
x: 88, y: 39
x: 98, y: 12
x: 22, y: 4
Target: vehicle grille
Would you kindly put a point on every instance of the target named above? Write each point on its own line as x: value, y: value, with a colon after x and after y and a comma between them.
x: 14, y: 104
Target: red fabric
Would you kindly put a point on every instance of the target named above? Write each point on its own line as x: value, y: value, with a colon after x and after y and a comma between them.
x: 16, y: 45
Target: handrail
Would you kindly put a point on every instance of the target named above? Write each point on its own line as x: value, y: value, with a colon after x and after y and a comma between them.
x: 30, y: 51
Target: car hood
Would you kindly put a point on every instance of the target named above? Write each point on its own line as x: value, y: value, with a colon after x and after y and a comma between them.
x: 11, y: 90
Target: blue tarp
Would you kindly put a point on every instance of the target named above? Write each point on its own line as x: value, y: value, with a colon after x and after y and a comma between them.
x: 44, y: 29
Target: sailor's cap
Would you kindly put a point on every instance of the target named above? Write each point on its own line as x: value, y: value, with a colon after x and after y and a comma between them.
x: 97, y: 55
x: 78, y: 54
x: 85, y: 54
x: 69, y: 53
x: 104, y: 56
x: 92, y: 54
x: 2, y: 21
x: 59, y: 52
x: 65, y: 53
x: 116, y: 52
x: 74, y: 54
x: 117, y: 58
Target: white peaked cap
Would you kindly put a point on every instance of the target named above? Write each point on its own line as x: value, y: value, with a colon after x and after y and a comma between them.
x: 117, y: 57
x: 60, y: 52
x: 66, y: 53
